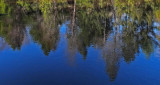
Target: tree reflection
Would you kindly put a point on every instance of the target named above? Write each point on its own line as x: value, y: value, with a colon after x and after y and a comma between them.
x: 119, y: 28
x: 46, y: 33
x: 13, y: 30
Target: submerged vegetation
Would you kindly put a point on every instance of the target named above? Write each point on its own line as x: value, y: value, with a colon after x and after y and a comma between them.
x: 117, y: 27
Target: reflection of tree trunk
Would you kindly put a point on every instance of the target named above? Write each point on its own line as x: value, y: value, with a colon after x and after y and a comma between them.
x: 104, y: 31
x: 115, y: 19
x: 104, y: 37
x: 115, y: 43
x: 73, y: 18
x: 55, y: 12
x: 114, y: 13
x: 55, y: 4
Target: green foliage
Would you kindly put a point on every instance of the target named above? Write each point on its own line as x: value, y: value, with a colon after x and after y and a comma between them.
x: 24, y: 4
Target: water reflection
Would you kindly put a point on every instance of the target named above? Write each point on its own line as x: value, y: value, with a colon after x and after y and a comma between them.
x: 13, y: 30
x: 118, y: 31
x: 46, y: 33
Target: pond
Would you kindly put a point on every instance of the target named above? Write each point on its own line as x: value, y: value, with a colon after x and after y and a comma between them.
x: 93, y: 42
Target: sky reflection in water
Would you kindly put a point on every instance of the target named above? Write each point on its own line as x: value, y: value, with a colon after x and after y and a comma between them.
x: 60, y: 48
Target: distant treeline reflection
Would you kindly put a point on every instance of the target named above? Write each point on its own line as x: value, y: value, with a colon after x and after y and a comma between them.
x: 119, y: 28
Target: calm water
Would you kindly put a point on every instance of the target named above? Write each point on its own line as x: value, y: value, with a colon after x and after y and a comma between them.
x: 67, y: 47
